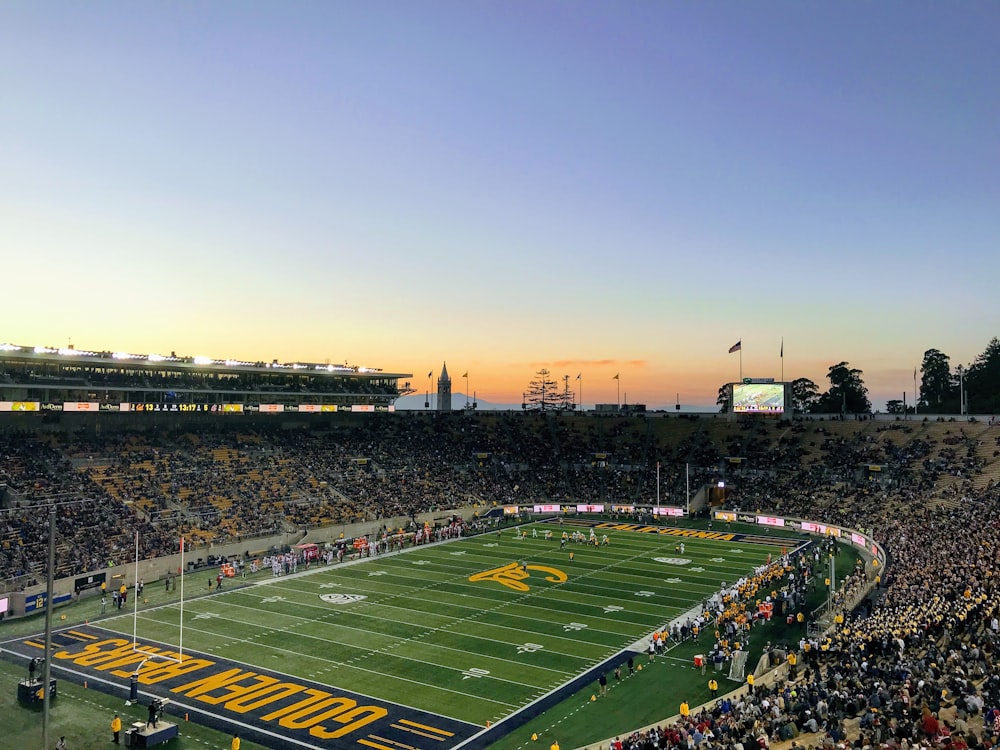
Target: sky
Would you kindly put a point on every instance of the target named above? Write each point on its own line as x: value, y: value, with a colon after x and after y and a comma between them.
x: 593, y: 188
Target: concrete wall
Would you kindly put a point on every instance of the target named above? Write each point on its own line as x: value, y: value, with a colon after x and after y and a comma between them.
x: 156, y: 569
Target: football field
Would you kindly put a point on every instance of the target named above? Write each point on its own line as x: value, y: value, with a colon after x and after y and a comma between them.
x: 423, y: 648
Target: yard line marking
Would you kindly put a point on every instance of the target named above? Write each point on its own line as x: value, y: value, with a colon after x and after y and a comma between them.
x: 380, y: 672
x: 434, y: 730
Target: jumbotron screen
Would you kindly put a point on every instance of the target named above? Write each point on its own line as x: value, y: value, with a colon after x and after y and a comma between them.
x: 759, y: 398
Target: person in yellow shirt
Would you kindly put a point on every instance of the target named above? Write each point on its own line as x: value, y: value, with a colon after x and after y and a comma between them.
x: 685, y: 710
x: 235, y: 744
x: 116, y: 728
x: 750, y: 682
x: 554, y: 745
x: 713, y: 687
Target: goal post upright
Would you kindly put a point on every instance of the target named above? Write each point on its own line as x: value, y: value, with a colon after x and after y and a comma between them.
x: 180, y: 641
x: 135, y: 591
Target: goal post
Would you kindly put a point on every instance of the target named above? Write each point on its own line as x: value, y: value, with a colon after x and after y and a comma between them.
x: 136, y: 647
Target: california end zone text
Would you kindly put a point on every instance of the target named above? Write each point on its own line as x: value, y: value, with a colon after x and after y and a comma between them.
x: 310, y: 713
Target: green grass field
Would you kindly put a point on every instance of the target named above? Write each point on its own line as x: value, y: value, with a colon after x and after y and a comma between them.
x: 444, y: 638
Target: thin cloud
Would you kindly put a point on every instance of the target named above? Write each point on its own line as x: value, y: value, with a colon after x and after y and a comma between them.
x: 583, y: 364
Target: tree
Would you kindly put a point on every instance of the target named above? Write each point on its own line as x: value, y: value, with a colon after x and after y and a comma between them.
x: 935, y: 383
x: 847, y: 394
x: 543, y: 393
x: 982, y: 381
x: 723, y: 400
x: 895, y: 406
x: 805, y: 394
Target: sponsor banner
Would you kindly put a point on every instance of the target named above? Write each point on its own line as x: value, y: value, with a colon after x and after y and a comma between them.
x: 49, y: 406
x: 81, y: 406
x: 858, y: 539
x: 19, y: 406
x: 746, y: 518
x: 271, y: 409
x: 232, y: 408
x: 317, y: 408
x: 547, y: 508
x: 511, y: 510
x: 724, y: 515
x: 770, y: 521
x: 363, y: 407
x: 667, y: 511
x: 821, y: 528
x: 110, y: 407
x: 273, y: 709
x: 623, y: 508
x: 589, y: 508
x: 89, y: 582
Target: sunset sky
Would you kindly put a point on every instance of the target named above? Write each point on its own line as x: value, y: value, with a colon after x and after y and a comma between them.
x: 590, y: 187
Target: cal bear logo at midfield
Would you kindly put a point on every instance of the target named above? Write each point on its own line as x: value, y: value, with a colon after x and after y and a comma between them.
x: 342, y: 598
x: 672, y: 560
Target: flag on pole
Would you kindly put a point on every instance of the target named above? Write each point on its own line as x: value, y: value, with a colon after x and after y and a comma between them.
x: 736, y: 347
x: 466, y: 374
x: 782, y: 347
x: 430, y: 373
x: 578, y: 375
x: 616, y: 376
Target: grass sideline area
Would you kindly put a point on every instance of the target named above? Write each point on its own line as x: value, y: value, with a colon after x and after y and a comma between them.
x: 450, y: 618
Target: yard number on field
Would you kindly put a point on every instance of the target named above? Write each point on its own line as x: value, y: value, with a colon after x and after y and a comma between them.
x: 474, y: 672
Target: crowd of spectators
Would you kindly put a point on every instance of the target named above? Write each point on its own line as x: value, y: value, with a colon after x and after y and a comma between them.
x: 915, y: 666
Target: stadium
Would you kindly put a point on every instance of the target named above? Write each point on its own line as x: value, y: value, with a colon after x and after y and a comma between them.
x: 402, y: 580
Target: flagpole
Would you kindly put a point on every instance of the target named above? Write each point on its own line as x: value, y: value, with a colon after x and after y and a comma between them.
x: 915, y: 394
x: 687, y: 485
x: 782, y: 359
x: 741, y: 359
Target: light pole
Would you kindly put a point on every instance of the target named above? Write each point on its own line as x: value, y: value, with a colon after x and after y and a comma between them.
x: 961, y: 390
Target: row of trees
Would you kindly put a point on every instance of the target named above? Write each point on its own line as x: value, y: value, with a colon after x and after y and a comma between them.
x: 943, y: 389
